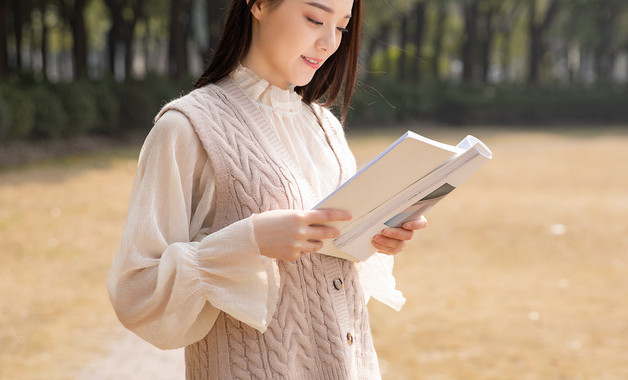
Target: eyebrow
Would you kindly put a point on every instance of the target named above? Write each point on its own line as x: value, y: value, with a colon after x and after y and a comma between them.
x: 324, y: 7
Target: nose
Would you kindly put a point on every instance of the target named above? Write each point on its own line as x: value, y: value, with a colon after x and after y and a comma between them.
x: 327, y: 40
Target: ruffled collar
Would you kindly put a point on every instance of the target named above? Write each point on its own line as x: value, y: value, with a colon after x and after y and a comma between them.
x: 264, y: 93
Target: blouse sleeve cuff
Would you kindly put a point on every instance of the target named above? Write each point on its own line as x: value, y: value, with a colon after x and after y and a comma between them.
x: 240, y: 281
x: 377, y: 280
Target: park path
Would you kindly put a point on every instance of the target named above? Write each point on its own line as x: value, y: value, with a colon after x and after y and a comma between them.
x: 126, y: 356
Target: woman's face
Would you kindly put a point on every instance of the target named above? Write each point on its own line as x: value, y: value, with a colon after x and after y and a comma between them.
x: 290, y: 41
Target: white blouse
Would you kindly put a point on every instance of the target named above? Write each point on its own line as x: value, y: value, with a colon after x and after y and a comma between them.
x: 183, y: 275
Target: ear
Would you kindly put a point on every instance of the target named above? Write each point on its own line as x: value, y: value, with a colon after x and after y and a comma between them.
x: 257, y: 9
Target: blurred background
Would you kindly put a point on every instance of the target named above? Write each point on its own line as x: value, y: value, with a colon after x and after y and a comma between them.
x: 522, y: 273
x: 449, y: 61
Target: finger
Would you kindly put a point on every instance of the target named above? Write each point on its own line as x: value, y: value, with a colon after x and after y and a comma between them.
x: 320, y: 232
x: 416, y: 224
x: 327, y: 215
x: 384, y: 249
x: 398, y: 233
x: 389, y: 243
x: 311, y: 246
x: 293, y: 257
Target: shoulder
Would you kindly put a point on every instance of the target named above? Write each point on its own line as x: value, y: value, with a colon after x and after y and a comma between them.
x: 214, y: 102
x: 199, y: 97
x: 173, y: 123
x: 173, y: 129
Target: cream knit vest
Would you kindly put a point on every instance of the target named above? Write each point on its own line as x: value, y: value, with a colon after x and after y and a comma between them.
x: 320, y: 328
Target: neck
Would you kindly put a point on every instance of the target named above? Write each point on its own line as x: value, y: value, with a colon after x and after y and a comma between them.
x: 256, y: 65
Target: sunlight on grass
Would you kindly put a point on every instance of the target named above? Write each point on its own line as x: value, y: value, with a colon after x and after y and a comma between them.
x: 521, y: 274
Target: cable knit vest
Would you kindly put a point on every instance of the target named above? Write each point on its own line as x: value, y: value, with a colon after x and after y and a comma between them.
x: 320, y: 328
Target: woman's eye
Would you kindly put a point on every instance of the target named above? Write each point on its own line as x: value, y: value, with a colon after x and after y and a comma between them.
x: 314, y: 21
x: 343, y: 30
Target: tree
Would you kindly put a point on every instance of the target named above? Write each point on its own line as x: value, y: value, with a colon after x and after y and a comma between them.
x: 129, y: 36
x: 505, y: 27
x: 490, y: 9
x: 18, y: 27
x: 79, y: 38
x: 178, y: 52
x: 419, y: 33
x: 215, y: 11
x: 3, y: 41
x: 403, y: 45
x: 124, y: 16
x: 376, y: 43
x: 470, y: 45
x: 437, y: 43
x: 538, y: 36
x: 606, y: 17
x: 43, y: 38
x: 381, y: 17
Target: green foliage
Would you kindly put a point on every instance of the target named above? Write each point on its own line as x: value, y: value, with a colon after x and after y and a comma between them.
x: 29, y: 109
x: 19, y: 111
x: 137, y: 107
x: 5, y: 118
x: 141, y: 100
x: 510, y: 105
x: 51, y: 119
x: 108, y: 107
x: 389, y: 102
x: 79, y: 105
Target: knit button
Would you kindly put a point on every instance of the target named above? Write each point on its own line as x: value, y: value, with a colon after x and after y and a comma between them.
x: 349, y: 339
x: 337, y: 283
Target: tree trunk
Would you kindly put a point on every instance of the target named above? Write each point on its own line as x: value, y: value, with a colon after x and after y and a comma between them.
x: 178, y: 42
x: 438, y: 39
x: 505, y: 55
x: 379, y: 42
x: 44, y: 40
x: 371, y: 48
x: 403, y: 55
x: 537, y: 37
x: 419, y: 14
x: 18, y: 24
x: 385, y: 40
x: 215, y: 9
x: 114, y: 34
x: 535, y: 44
x: 606, y: 16
x: 3, y: 41
x: 506, y: 25
x: 487, y: 41
x: 130, y: 37
x: 79, y: 46
x: 470, y: 45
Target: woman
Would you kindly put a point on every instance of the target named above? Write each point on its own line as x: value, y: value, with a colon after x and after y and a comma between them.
x: 219, y: 250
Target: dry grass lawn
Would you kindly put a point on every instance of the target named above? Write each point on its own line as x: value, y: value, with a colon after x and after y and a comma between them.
x: 522, y: 273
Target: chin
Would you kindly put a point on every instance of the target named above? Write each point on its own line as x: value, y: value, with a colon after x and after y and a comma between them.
x: 302, y: 80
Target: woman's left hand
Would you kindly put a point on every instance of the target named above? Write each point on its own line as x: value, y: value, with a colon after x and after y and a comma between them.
x: 392, y: 240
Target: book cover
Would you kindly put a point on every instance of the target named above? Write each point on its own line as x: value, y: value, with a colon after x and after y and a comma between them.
x: 400, y: 184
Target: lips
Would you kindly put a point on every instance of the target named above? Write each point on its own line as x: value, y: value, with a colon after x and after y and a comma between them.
x: 312, y: 62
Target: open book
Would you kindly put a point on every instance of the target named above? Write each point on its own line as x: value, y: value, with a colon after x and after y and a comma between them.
x: 399, y: 185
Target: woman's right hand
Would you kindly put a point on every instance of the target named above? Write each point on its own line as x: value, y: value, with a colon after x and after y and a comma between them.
x: 287, y: 234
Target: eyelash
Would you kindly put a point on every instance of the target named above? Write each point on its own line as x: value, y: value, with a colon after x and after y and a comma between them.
x: 318, y: 23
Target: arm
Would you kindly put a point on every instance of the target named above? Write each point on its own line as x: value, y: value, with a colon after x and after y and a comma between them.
x: 169, y: 278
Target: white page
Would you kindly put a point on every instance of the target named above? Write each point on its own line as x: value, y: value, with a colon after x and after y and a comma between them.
x: 408, y: 170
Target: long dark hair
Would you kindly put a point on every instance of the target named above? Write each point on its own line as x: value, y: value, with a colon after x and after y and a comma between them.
x: 341, y: 67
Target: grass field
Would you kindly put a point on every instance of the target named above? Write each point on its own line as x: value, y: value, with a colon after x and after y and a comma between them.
x: 522, y: 273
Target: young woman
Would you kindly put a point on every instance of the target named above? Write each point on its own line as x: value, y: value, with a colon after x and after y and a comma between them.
x: 219, y: 250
